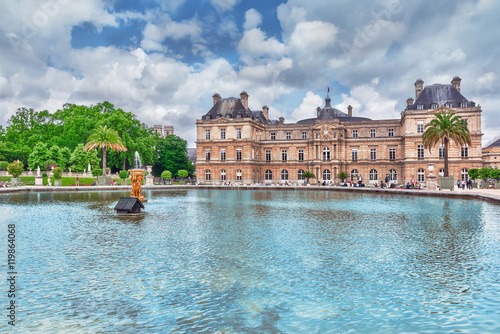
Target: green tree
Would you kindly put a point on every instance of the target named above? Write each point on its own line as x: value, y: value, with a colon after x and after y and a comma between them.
x: 173, y: 155
x: 182, y: 173
x: 15, y: 169
x: 484, y: 173
x: 445, y: 127
x: 80, y: 159
x: 473, y: 173
x: 123, y: 174
x: 104, y: 138
x: 166, y: 174
x: 58, y: 171
x: 342, y: 176
x: 38, y: 156
x: 308, y: 175
x: 495, y: 174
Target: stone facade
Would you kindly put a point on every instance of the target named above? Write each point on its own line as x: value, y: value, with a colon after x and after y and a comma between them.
x: 167, y: 130
x: 237, y: 145
x: 491, y: 155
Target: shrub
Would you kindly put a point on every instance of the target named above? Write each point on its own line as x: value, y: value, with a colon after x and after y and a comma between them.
x: 15, y: 169
x: 57, y: 173
x: 495, y: 174
x: 473, y: 173
x: 96, y: 172
x: 48, y: 163
x: 484, y: 173
x: 182, y: 173
x: 123, y: 174
x: 166, y: 174
x: 44, y: 175
x: 3, y: 165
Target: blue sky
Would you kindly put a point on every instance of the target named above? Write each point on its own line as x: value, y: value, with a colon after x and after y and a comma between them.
x: 163, y: 60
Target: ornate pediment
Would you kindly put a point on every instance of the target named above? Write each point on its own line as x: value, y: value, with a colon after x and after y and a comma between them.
x: 222, y: 120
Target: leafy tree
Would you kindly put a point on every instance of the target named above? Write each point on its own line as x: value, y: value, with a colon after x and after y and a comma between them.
x: 182, y: 173
x: 484, y: 173
x: 495, y: 174
x: 15, y: 169
x: 166, y: 174
x: 342, y: 176
x: 123, y: 174
x: 96, y: 172
x: 80, y: 159
x: 308, y: 175
x: 173, y: 155
x: 104, y: 138
x: 64, y: 157
x: 445, y: 127
x: 473, y: 173
x: 38, y: 156
x: 3, y: 165
x: 57, y: 173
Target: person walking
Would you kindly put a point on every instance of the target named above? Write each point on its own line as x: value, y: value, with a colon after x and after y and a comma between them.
x: 77, y: 182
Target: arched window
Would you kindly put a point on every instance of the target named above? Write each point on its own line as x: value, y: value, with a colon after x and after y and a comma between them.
x: 393, y: 175
x: 284, y: 174
x: 327, y: 175
x: 354, y: 173
x: 238, y: 175
x: 420, y: 175
x: 465, y: 174
x: 207, y: 175
x: 326, y: 154
x: 223, y: 175
x: 299, y: 174
x: 373, y: 175
x: 268, y: 175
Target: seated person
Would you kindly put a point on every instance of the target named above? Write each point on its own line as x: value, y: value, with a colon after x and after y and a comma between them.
x: 408, y: 185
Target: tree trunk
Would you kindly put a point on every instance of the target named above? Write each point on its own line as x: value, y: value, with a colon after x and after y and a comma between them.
x: 104, y: 167
x: 124, y: 161
x: 445, y: 153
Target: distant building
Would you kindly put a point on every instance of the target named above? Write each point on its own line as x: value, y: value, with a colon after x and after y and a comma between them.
x: 236, y: 144
x: 491, y: 155
x: 167, y: 130
x: 191, y: 154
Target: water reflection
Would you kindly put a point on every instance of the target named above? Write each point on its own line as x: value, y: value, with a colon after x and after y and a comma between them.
x: 257, y: 261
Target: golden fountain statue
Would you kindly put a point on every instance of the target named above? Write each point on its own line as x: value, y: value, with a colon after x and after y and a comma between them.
x: 137, y: 175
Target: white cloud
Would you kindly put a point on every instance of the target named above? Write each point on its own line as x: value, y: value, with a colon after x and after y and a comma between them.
x: 367, y: 102
x: 224, y: 5
x: 254, y: 45
x: 252, y: 19
x: 313, y: 36
x: 307, y: 108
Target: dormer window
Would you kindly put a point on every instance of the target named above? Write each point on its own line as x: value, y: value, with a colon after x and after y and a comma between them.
x: 463, y: 104
x: 420, y: 107
x: 434, y: 106
x: 447, y: 105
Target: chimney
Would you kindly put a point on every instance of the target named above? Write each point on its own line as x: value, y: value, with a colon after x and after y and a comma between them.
x: 409, y: 101
x: 419, y: 86
x: 318, y: 110
x: 216, y: 98
x: 456, y: 83
x: 282, y: 120
x: 349, y: 110
x: 244, y: 99
x: 265, y: 112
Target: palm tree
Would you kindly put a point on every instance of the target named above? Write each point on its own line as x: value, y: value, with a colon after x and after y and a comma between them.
x: 445, y: 127
x: 308, y: 175
x: 102, y: 137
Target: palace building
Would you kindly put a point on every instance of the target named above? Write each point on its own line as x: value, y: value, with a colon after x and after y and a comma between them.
x: 238, y: 145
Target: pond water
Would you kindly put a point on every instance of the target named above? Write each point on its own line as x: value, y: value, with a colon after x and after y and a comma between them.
x: 263, y: 261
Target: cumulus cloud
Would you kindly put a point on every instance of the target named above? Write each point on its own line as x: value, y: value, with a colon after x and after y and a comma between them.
x: 252, y: 19
x: 254, y: 44
x: 307, y: 108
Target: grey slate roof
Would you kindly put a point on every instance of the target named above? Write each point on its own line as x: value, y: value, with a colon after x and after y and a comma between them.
x: 440, y: 95
x: 128, y: 203
x: 494, y: 144
x: 230, y: 107
x: 328, y: 112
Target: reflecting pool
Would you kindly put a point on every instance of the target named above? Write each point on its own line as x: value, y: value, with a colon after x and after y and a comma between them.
x: 263, y: 261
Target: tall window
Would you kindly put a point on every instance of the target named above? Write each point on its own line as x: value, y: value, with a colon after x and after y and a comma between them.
x: 207, y: 155
x: 393, y: 175
x: 463, y: 104
x: 420, y: 151
x: 326, y: 154
x: 284, y: 155
x: 284, y: 174
x: 238, y: 154
x: 372, y: 133
x: 465, y: 175
x: 299, y: 174
x: 268, y: 155
x: 373, y: 154
x: 288, y: 135
x: 222, y: 133
x: 301, y: 155
x: 391, y: 132
x: 354, y: 174
x: 434, y: 106
x: 420, y: 126
x: 354, y: 133
x: 223, y: 175
x: 373, y: 175
x: 207, y: 175
x: 238, y: 175
x: 273, y: 135
x: 207, y: 134
x: 238, y: 133
x: 392, y: 154
x: 354, y: 154
x: 465, y: 151
x: 441, y: 151
x: 327, y: 175
x: 223, y: 154
x: 420, y: 175
x: 304, y: 135
x: 268, y: 175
